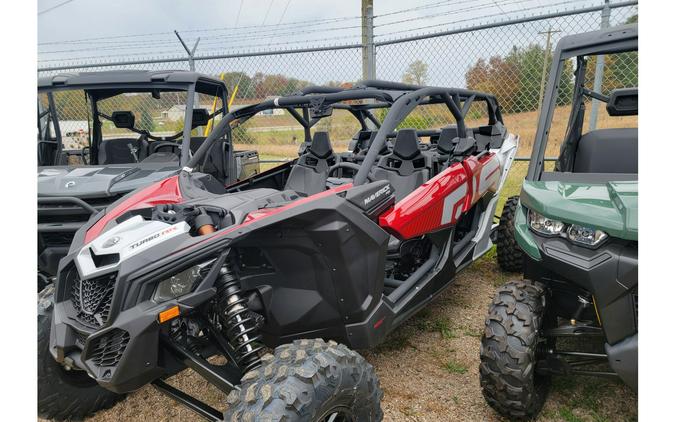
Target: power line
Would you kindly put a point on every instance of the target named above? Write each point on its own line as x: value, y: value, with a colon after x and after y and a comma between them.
x: 99, y: 40
x: 284, y: 12
x: 267, y: 13
x: 498, y: 6
x: 426, y: 6
x: 54, y: 7
x: 241, y: 6
x: 206, y: 40
x: 451, y: 12
x: 446, y: 24
x: 273, y: 32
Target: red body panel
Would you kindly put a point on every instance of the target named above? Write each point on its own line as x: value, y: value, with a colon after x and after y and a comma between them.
x: 163, y: 192
x: 267, y: 212
x: 440, y: 202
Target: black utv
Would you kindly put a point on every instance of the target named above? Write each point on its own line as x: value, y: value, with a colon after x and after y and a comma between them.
x: 102, y: 135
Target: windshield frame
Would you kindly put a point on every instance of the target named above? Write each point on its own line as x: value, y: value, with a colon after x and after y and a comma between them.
x: 100, y: 91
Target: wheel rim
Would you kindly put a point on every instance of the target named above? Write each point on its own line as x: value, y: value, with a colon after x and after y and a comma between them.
x: 338, y: 414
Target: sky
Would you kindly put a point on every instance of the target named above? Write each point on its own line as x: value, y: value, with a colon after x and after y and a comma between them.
x: 98, y: 31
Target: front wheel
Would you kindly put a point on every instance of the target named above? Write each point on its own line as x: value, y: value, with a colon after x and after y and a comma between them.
x: 66, y: 394
x: 308, y: 380
x: 509, y: 254
x: 511, y: 344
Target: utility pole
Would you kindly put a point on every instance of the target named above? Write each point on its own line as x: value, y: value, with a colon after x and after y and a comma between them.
x: 599, y: 71
x: 367, y: 40
x: 547, y: 53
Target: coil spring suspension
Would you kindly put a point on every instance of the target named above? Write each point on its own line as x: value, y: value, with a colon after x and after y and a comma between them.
x: 240, y: 327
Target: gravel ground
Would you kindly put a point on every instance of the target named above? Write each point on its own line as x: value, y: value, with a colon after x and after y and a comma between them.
x: 428, y: 369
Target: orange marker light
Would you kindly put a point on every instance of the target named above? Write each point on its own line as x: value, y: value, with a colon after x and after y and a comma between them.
x: 170, y: 313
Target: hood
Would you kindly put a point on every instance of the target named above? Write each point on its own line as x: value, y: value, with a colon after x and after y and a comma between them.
x: 611, y: 207
x: 99, y: 181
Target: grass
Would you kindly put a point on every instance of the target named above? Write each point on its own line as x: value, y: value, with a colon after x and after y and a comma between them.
x: 454, y: 367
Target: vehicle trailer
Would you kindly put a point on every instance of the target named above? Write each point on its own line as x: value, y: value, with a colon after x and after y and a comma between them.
x: 574, y: 233
x: 116, y: 146
x: 310, y: 260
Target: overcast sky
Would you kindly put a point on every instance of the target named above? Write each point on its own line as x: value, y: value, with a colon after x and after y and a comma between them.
x: 133, y: 29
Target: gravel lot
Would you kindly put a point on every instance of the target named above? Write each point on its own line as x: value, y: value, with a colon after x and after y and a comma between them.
x: 428, y: 369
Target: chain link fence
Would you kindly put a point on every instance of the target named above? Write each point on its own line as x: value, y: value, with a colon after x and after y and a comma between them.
x: 507, y: 58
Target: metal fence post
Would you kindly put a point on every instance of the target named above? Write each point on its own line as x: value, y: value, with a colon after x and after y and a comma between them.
x: 599, y: 71
x: 367, y: 40
x: 191, y: 53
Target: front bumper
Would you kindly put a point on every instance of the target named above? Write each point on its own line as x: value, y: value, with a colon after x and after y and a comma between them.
x: 609, y: 273
x: 122, y: 356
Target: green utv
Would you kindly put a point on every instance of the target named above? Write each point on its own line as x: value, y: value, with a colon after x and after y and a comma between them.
x: 573, y: 232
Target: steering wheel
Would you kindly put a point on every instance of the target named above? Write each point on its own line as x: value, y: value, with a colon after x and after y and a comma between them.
x: 155, y: 146
x: 347, y: 165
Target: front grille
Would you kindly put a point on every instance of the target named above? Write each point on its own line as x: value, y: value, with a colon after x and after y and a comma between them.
x: 92, y: 299
x: 107, y: 350
x: 69, y: 212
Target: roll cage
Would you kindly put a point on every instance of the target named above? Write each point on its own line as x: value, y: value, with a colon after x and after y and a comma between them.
x: 316, y: 103
x: 102, y: 85
x: 620, y: 39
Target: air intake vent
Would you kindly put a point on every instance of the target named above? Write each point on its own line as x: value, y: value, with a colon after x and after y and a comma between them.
x: 92, y: 299
x: 107, y: 350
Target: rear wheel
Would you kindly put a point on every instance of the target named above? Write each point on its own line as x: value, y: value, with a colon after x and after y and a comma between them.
x: 509, y: 254
x: 309, y: 380
x: 66, y: 394
x: 511, y: 344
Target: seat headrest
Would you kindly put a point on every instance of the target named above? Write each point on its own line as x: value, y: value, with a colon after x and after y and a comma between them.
x: 407, y: 144
x: 320, y: 145
x: 196, y: 142
x: 488, y: 130
x: 445, y: 144
x: 363, y: 135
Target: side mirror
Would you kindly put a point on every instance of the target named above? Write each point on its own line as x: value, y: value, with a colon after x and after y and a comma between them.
x: 123, y: 119
x: 623, y: 102
x: 200, y: 117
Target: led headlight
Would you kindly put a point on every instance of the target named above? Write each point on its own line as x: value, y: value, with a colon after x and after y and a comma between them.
x: 587, y: 236
x: 182, y: 283
x: 544, y: 225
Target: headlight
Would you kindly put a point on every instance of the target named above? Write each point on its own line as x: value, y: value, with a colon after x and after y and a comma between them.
x: 544, y: 225
x: 182, y: 283
x: 585, y: 235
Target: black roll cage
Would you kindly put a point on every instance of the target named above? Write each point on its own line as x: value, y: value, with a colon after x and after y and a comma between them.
x: 401, y: 99
x: 96, y: 92
x: 614, y: 40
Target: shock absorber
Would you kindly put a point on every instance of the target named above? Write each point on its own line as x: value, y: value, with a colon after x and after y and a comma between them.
x: 240, y: 327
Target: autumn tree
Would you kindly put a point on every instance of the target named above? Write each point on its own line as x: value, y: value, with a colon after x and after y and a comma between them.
x: 416, y: 73
x: 515, y: 79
